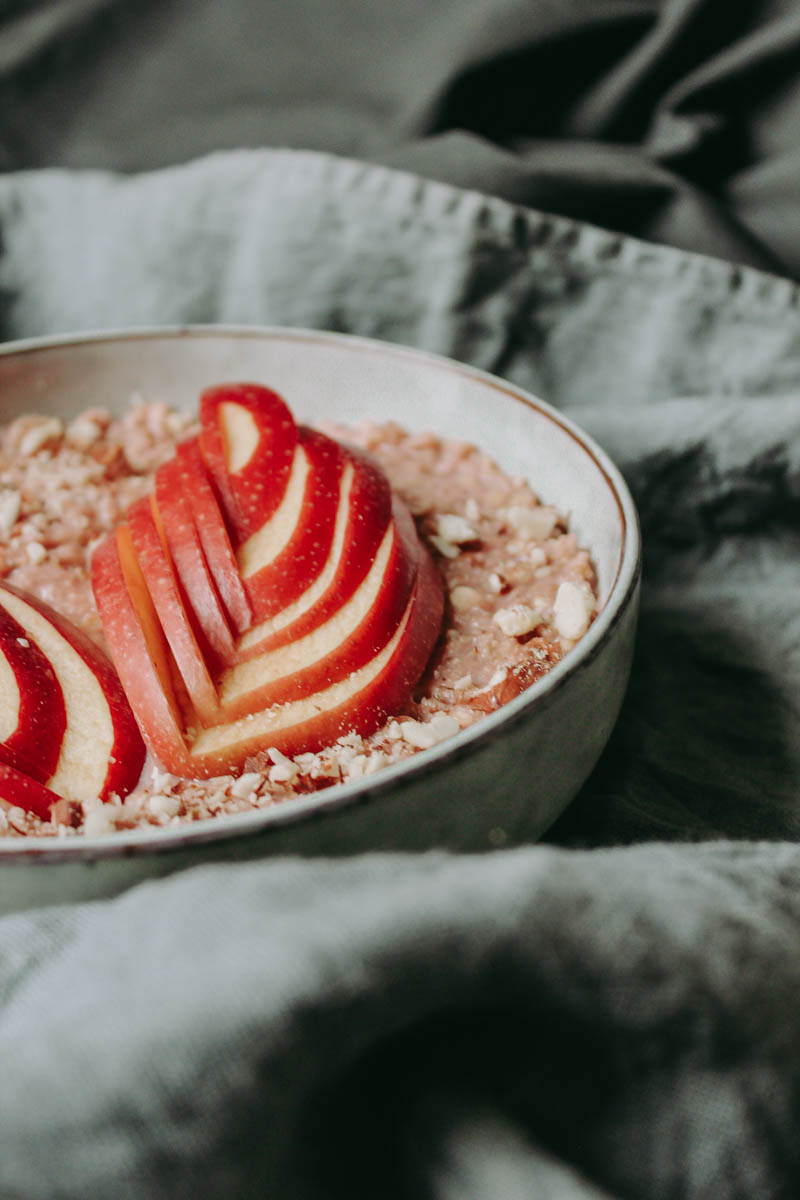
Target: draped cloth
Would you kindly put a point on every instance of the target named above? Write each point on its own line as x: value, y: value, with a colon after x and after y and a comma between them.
x: 611, y: 1012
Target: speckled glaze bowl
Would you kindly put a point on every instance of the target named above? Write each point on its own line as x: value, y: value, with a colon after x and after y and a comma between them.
x: 502, y: 781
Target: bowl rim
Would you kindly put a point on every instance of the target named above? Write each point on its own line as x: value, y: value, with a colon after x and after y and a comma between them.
x: 320, y: 804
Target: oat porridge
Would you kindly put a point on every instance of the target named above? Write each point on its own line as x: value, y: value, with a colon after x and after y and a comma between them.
x: 519, y: 593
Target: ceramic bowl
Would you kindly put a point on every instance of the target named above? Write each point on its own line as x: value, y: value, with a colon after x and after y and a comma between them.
x: 502, y: 781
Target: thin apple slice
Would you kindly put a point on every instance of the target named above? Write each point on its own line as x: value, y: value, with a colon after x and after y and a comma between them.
x: 283, y: 558
x: 32, y: 712
x: 248, y: 438
x: 354, y: 634
x: 17, y: 789
x: 358, y: 703
x: 213, y: 534
x: 362, y: 516
x: 139, y: 648
x: 186, y: 551
x: 101, y: 750
x: 149, y: 542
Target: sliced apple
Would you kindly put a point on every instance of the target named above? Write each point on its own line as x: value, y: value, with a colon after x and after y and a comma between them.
x: 32, y: 712
x: 186, y: 551
x: 350, y: 637
x: 362, y: 515
x: 101, y: 750
x: 286, y: 554
x: 344, y: 599
x: 213, y: 534
x: 358, y: 703
x: 23, y: 791
x: 139, y: 648
x: 248, y: 438
x: 177, y: 621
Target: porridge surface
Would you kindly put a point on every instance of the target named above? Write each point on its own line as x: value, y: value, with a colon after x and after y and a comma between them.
x: 520, y: 591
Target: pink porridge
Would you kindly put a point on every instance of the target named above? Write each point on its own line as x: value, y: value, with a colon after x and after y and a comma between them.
x: 521, y: 592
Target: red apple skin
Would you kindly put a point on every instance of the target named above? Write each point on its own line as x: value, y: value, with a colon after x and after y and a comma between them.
x: 35, y: 745
x: 20, y: 789
x: 176, y: 618
x: 362, y: 713
x: 127, y: 754
x: 186, y: 551
x: 139, y: 649
x: 213, y: 534
x: 371, y: 635
x: 142, y: 658
x: 369, y: 513
x: 296, y: 567
x: 248, y: 496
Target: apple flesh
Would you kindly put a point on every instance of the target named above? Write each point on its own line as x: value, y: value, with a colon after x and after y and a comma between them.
x: 177, y: 620
x: 32, y: 712
x: 213, y: 535
x: 350, y: 637
x: 191, y: 567
x: 362, y: 515
x: 286, y: 554
x: 248, y: 438
x: 344, y: 601
x: 100, y: 749
x: 20, y: 790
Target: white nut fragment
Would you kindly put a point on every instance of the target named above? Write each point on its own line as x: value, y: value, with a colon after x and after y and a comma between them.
x: 445, y: 548
x: 496, y: 583
x: 462, y: 597
x: 536, y: 523
x: 164, y: 804
x: 36, y: 552
x: 517, y: 619
x: 246, y: 785
x: 43, y: 433
x: 99, y: 819
x: 572, y: 610
x: 283, y: 770
x: 83, y: 432
x: 10, y: 504
x: 455, y: 529
x: 423, y: 735
x: 471, y: 510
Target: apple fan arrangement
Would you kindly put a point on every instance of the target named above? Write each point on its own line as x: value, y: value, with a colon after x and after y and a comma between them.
x: 269, y: 593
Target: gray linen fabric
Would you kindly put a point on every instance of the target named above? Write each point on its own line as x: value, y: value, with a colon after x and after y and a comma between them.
x: 546, y: 1021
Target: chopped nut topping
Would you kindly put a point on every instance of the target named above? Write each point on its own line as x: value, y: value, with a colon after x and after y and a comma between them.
x: 445, y: 548
x: 84, y: 432
x: 45, y: 432
x: 455, y: 529
x: 518, y: 619
x: 464, y: 597
x: 535, y: 523
x: 247, y: 785
x: 36, y: 552
x: 572, y: 610
x: 162, y: 805
x: 10, y: 504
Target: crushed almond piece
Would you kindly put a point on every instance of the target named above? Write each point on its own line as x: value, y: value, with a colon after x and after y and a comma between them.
x: 10, y: 505
x: 455, y: 529
x: 534, y: 523
x: 164, y: 805
x: 464, y: 597
x: 517, y: 619
x: 45, y: 432
x: 445, y: 548
x: 572, y: 610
